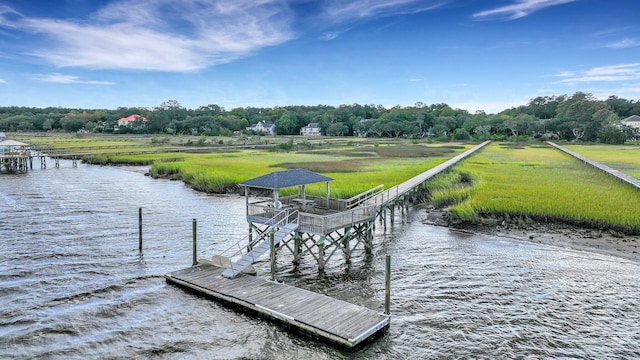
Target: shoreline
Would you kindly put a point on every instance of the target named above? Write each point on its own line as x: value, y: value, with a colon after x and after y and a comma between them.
x: 605, y: 242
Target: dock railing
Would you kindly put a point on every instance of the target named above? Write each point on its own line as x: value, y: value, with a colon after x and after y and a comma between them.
x: 325, y: 224
x: 244, y: 245
x: 363, y: 197
x: 264, y: 212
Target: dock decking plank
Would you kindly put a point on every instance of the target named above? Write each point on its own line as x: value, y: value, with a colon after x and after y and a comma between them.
x: 331, y: 319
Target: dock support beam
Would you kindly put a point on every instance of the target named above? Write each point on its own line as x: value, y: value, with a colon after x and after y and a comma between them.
x: 272, y: 246
x: 321, y: 255
x: 297, y: 248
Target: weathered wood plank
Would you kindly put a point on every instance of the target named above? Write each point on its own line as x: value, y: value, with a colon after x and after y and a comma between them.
x: 330, y: 319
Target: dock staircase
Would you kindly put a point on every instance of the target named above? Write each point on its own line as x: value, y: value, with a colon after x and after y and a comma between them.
x: 259, y: 246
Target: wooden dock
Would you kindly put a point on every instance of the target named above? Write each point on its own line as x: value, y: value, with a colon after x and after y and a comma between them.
x: 301, y: 310
x: 396, y: 192
x: 604, y: 168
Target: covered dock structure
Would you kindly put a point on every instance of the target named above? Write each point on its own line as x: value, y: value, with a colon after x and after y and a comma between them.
x: 315, y: 225
x: 15, y: 157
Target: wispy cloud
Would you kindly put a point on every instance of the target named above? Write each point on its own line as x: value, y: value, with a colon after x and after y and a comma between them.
x: 348, y: 10
x: 624, y: 43
x: 3, y: 81
x: 6, y: 15
x: 330, y: 35
x: 519, y: 9
x: 161, y: 35
x: 622, y: 72
x: 68, y: 79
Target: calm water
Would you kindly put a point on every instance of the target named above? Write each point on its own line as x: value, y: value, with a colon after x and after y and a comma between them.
x: 73, y: 284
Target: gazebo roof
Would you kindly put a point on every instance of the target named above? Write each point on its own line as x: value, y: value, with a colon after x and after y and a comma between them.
x: 284, y: 179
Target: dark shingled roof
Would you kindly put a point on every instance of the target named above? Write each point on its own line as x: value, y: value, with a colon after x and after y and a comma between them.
x: 285, y: 179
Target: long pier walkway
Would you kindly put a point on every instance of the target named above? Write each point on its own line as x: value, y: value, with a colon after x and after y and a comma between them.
x: 387, y: 198
x: 331, y: 319
x: 611, y: 171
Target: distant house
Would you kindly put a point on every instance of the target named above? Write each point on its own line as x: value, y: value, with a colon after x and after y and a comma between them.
x: 632, y: 121
x: 3, y: 136
x: 310, y: 130
x: 263, y: 127
x: 126, y: 121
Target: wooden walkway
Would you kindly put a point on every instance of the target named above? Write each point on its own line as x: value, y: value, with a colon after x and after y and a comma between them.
x: 307, y: 312
x: 613, y: 172
x: 398, y: 191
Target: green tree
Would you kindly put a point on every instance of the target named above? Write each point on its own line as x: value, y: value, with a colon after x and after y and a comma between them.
x: 285, y: 125
x: 611, y: 135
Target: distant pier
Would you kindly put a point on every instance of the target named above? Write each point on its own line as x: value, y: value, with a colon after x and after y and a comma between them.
x: 15, y: 157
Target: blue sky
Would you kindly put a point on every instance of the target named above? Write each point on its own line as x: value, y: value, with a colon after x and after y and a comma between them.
x: 471, y: 54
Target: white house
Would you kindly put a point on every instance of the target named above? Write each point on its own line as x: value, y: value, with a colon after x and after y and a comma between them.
x: 3, y: 136
x: 632, y: 121
x: 263, y: 127
x: 310, y: 130
x: 126, y: 121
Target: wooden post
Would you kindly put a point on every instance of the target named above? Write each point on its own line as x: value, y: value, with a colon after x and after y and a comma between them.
x: 346, y: 248
x: 195, y: 252
x: 140, y: 229
x: 393, y: 212
x: 273, y: 255
x: 297, y: 247
x: 321, y: 255
x: 387, y: 286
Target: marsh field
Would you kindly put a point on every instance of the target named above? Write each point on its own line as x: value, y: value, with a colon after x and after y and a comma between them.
x: 522, y: 183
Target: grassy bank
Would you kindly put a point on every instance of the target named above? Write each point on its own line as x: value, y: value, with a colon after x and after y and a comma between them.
x: 540, y: 183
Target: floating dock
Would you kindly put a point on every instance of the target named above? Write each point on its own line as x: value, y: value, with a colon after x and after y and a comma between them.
x: 307, y: 312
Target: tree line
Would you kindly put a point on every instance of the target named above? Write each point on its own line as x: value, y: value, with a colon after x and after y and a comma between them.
x: 576, y: 117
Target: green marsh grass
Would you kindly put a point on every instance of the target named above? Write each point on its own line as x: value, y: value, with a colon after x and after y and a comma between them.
x: 546, y: 184
x: 625, y: 158
x: 357, y: 165
x: 216, y: 172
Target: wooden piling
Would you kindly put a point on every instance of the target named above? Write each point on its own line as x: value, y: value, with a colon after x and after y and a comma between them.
x: 195, y: 250
x: 140, y: 229
x: 387, y: 286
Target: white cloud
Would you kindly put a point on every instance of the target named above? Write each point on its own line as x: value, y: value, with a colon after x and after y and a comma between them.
x: 161, y: 35
x: 6, y: 13
x: 3, y: 81
x: 622, y: 72
x: 519, y: 9
x: 624, y: 43
x: 348, y: 10
x: 68, y: 79
x: 330, y: 35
